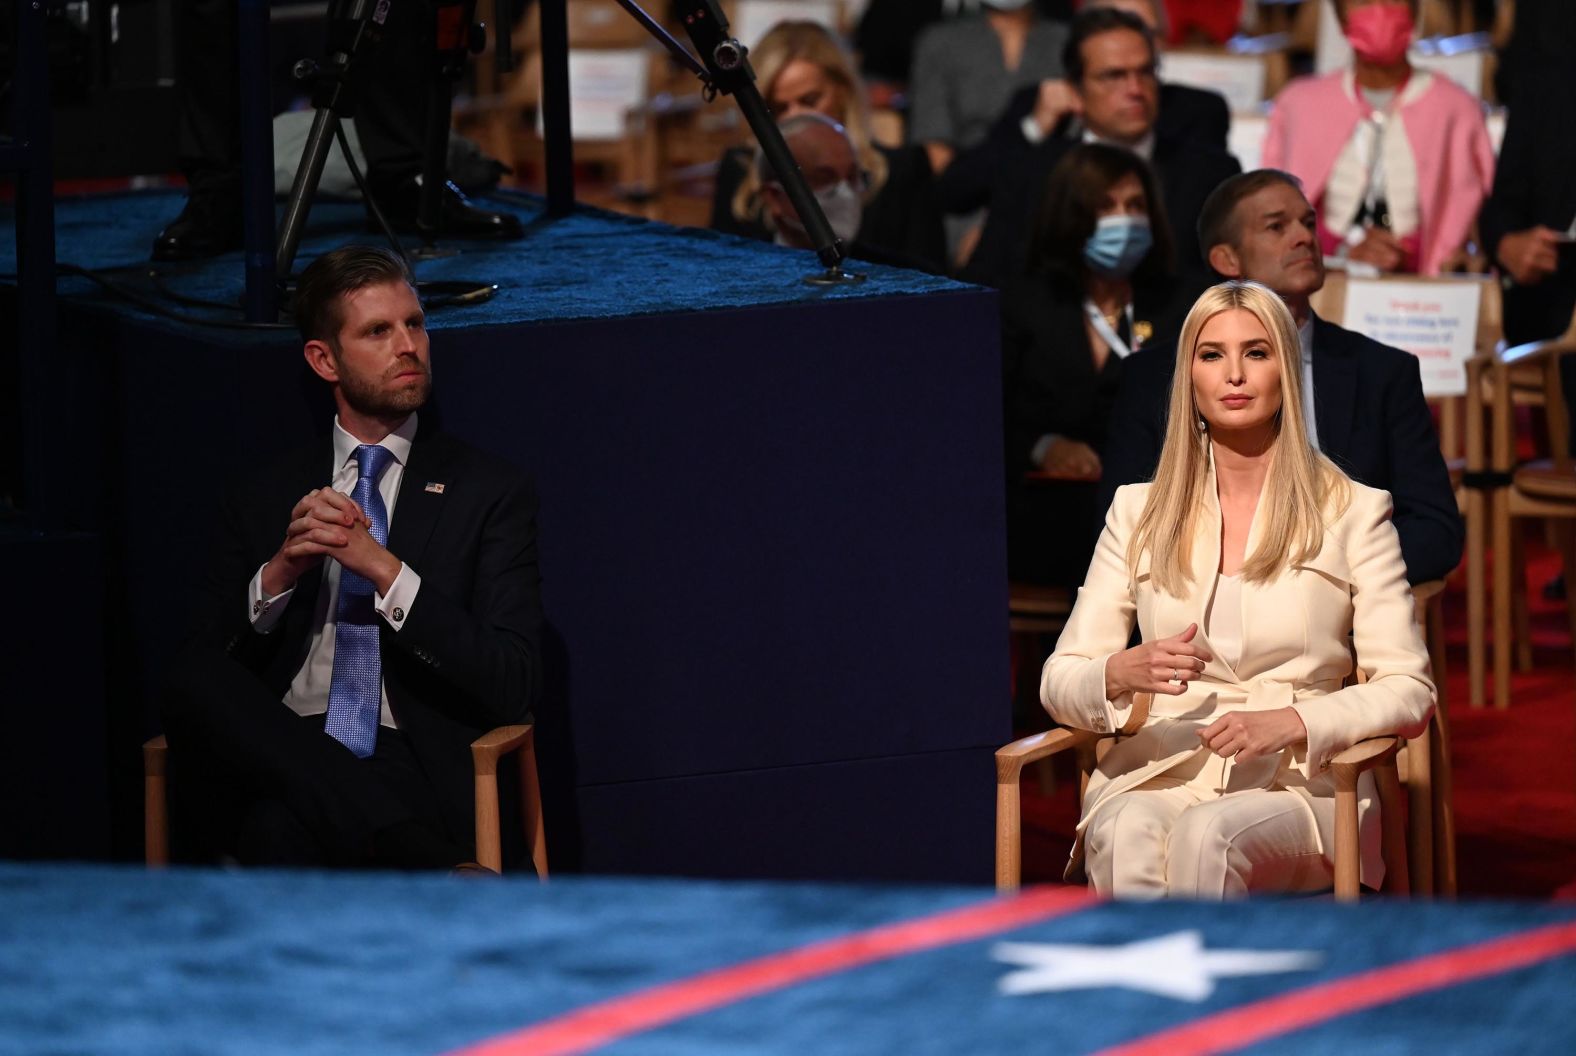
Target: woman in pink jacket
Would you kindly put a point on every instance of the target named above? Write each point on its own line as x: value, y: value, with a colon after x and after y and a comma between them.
x: 1396, y: 160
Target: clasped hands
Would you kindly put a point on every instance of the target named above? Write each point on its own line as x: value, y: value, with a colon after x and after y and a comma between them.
x: 1167, y: 665
x: 327, y: 524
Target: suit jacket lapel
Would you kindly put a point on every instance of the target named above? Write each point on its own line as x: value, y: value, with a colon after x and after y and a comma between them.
x: 1334, y: 391
x: 417, y: 509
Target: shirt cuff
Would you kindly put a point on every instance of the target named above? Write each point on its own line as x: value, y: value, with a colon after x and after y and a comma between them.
x: 1031, y: 129
x: 262, y: 609
x: 394, y: 605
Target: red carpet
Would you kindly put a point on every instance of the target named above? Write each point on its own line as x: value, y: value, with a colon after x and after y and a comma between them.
x: 1515, y: 770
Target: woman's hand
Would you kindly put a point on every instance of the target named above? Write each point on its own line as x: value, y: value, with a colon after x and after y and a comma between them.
x: 1165, y: 665
x: 1246, y: 735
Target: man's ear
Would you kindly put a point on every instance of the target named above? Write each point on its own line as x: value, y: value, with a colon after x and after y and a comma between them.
x: 320, y: 357
x: 1225, y: 261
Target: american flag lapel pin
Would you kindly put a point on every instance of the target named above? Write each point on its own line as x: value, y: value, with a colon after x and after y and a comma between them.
x: 434, y: 487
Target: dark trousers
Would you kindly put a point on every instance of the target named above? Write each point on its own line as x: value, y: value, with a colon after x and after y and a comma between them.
x: 390, y: 80
x: 250, y: 777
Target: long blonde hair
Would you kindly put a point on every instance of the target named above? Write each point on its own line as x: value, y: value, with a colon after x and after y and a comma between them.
x: 792, y: 41
x: 1301, y: 489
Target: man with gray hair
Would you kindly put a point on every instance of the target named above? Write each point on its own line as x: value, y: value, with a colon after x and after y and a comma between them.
x: 826, y: 157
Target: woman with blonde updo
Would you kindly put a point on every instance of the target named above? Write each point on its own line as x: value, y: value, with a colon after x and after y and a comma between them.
x: 1255, y: 569
x: 801, y: 68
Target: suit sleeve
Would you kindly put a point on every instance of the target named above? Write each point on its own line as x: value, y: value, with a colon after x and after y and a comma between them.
x: 1398, y: 696
x: 488, y: 645
x: 967, y: 182
x: 1509, y: 205
x: 1072, y: 684
x: 1426, y: 515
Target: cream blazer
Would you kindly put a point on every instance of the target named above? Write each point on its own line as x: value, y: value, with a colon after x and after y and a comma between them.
x: 1298, y: 634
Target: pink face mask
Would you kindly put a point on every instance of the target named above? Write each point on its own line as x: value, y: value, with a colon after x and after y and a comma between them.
x: 1380, y: 33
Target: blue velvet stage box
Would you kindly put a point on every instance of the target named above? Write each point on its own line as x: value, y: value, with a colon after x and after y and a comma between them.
x: 771, y: 525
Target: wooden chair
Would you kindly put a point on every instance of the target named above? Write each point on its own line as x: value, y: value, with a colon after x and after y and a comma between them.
x: 486, y: 751
x: 1543, y: 488
x: 1418, y: 828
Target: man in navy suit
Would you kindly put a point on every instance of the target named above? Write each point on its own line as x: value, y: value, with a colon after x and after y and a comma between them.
x: 1112, y: 74
x: 371, y: 608
x: 1367, y: 415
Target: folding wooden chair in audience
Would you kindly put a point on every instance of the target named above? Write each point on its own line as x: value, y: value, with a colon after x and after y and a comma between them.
x: 1544, y: 488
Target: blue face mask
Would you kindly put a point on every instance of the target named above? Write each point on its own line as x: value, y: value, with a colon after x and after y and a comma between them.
x: 1118, y: 245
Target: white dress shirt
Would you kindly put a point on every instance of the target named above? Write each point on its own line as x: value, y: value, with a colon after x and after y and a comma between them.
x: 308, y: 693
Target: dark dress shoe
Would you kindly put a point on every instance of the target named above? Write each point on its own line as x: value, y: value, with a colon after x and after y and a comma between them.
x: 207, y: 227
x: 457, y: 217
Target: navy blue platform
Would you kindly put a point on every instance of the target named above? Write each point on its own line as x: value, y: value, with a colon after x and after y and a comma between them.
x: 771, y: 527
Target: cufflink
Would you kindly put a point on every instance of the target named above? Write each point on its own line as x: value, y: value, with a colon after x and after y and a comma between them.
x: 258, y: 608
x: 1099, y: 724
x: 399, y: 614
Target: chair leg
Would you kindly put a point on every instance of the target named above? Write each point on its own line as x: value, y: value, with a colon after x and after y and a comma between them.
x: 1420, y: 813
x: 531, y: 808
x: 1477, y: 512
x: 155, y: 803
x: 1009, y: 832
x: 1519, y: 611
x: 1348, y: 860
x: 1397, y: 879
x: 1504, y: 564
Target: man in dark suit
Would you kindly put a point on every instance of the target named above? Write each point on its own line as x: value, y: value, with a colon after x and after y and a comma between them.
x: 1111, y: 70
x: 1529, y: 220
x: 1367, y: 410
x: 336, y: 678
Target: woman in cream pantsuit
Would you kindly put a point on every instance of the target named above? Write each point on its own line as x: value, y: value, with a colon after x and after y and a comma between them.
x: 1254, y: 567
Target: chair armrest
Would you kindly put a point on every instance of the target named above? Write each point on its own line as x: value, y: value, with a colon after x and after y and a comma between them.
x: 1012, y: 758
x: 486, y: 750
x: 493, y: 745
x: 1537, y: 351
x: 1364, y: 755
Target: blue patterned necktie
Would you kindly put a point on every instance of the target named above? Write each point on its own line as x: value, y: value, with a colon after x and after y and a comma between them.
x: 355, y: 694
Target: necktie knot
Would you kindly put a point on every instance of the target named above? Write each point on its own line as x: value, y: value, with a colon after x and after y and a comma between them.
x: 371, y: 459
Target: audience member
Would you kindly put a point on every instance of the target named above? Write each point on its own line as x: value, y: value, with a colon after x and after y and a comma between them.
x: 1396, y: 160
x: 889, y: 29
x: 1529, y: 221
x: 1362, y: 401
x: 1099, y: 285
x: 1255, y: 569
x: 966, y: 70
x: 1111, y: 63
x: 1055, y: 108
x: 802, y: 69
x: 324, y: 710
x: 825, y: 155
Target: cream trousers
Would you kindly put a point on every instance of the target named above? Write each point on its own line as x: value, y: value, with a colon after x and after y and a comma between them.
x: 1166, y: 839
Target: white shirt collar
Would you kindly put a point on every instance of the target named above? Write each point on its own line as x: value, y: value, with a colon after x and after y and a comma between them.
x: 398, y: 442
x: 1305, y: 336
x: 1144, y: 148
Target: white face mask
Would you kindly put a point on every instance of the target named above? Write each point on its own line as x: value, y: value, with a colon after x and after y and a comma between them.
x: 843, y: 209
